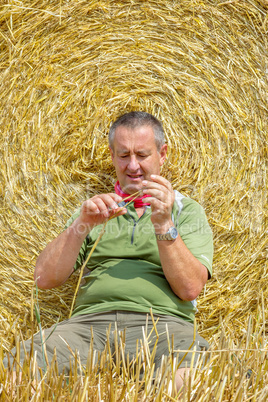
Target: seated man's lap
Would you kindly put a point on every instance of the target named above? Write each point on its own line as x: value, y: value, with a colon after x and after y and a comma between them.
x: 134, y: 332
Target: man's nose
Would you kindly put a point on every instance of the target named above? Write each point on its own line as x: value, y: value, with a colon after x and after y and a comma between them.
x: 133, y: 163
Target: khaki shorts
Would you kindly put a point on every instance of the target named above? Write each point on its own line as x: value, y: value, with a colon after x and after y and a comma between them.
x: 174, y: 335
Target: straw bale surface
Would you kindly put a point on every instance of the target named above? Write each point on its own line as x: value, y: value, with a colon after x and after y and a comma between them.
x: 68, y: 69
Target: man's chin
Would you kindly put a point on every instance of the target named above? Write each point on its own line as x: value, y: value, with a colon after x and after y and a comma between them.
x: 132, y: 188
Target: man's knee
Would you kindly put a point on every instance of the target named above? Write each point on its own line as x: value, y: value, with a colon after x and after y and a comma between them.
x: 181, y: 377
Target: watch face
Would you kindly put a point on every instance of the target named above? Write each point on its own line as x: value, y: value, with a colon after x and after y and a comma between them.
x: 173, y: 233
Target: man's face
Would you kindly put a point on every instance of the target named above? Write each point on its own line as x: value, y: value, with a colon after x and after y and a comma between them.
x: 135, y: 156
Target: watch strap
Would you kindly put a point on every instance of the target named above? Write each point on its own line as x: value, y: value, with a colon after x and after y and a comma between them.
x: 171, y: 234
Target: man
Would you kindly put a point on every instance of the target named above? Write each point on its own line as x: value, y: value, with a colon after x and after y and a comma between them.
x: 155, y: 254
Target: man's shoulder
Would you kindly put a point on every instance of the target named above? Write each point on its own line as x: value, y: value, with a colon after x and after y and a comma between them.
x: 185, y: 204
x: 178, y: 203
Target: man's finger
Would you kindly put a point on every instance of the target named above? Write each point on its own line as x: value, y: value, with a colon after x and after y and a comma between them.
x: 157, y: 194
x: 106, y: 202
x: 160, y: 180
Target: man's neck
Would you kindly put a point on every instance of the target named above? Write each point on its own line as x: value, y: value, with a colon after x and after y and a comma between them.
x: 140, y: 211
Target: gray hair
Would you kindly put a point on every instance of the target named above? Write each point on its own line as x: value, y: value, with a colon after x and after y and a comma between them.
x: 138, y: 119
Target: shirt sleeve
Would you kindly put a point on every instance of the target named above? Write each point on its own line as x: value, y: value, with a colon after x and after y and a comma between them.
x: 194, y: 229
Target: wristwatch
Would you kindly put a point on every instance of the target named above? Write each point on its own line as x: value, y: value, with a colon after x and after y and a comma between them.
x: 171, y: 234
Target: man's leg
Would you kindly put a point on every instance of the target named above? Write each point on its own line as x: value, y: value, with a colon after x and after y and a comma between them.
x: 66, y: 339
x: 171, y: 332
x: 187, y: 345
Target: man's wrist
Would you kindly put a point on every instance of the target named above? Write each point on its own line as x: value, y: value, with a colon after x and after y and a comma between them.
x: 163, y: 228
x: 170, y: 235
x: 80, y: 229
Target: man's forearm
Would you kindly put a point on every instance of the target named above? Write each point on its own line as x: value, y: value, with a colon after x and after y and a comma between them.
x: 185, y: 274
x: 55, y: 263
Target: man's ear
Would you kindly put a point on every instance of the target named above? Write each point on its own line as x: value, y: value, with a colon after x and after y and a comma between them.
x: 163, y: 154
x: 112, y: 153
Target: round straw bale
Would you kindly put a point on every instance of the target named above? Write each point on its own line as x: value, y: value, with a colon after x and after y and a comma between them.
x: 68, y: 69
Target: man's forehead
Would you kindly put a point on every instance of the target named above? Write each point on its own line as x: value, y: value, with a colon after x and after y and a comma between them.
x: 140, y: 134
x: 124, y: 150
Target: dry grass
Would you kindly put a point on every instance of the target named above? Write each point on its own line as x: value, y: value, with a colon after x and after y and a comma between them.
x: 69, y: 68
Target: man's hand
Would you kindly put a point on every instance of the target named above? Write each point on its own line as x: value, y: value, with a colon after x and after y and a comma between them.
x: 55, y: 264
x: 100, y: 208
x: 161, y: 200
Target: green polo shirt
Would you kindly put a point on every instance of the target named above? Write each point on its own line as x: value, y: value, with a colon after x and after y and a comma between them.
x: 125, y: 268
